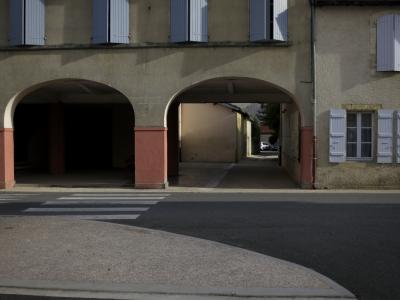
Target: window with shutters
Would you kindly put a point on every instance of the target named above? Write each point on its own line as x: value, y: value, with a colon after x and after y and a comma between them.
x: 268, y: 20
x: 27, y: 22
x: 189, y: 21
x: 110, y: 22
x: 359, y: 136
x: 388, y: 43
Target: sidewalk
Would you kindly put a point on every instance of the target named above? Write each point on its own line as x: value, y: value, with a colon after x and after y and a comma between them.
x: 61, y: 257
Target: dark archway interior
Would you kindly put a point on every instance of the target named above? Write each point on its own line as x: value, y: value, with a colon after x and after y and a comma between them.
x: 74, y: 133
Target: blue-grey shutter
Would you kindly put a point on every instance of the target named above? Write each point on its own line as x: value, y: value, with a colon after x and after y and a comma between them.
x: 100, y: 21
x: 280, y: 20
x: 198, y: 20
x: 385, y: 136
x: 179, y: 21
x: 398, y: 137
x: 17, y: 22
x: 34, y: 22
x: 397, y: 42
x: 385, y: 43
x: 259, y: 20
x: 337, y: 135
x: 119, y: 21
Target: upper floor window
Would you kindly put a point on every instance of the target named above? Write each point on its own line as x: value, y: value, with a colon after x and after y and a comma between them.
x: 27, y: 22
x: 189, y: 21
x: 110, y: 22
x: 388, y: 43
x: 268, y: 20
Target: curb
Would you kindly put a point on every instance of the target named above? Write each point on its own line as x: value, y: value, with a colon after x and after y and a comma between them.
x: 15, y: 289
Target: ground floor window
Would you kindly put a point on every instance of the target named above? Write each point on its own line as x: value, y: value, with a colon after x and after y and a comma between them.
x: 359, y: 136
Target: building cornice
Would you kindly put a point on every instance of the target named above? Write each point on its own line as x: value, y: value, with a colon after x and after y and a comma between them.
x: 148, y: 46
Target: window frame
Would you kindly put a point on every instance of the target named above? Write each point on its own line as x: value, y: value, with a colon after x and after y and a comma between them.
x: 359, y: 141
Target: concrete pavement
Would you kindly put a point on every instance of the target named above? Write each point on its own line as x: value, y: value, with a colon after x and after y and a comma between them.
x: 59, y: 256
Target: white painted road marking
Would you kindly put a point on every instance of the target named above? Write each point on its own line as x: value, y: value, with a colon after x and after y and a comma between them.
x: 85, y: 209
x: 101, y: 202
x: 111, y: 198
x: 120, y: 195
x: 86, y: 217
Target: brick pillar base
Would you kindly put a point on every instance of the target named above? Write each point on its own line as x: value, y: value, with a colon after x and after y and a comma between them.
x: 306, y: 160
x: 56, y: 139
x: 173, y: 140
x: 151, y: 158
x: 6, y: 158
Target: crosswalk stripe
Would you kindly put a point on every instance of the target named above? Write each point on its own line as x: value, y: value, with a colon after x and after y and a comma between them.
x: 86, y: 217
x: 111, y: 198
x: 16, y: 195
x: 100, y: 202
x: 103, y: 217
x: 120, y: 195
x: 85, y: 209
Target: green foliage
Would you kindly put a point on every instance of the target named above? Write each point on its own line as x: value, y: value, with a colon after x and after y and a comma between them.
x: 269, y: 114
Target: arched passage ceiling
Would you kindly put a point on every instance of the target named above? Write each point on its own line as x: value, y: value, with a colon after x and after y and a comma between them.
x: 75, y: 91
x: 234, y: 90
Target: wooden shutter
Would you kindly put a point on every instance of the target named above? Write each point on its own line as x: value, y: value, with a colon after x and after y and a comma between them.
x: 337, y: 136
x: 259, y: 20
x: 386, y: 43
x: 397, y: 42
x: 119, y: 21
x: 280, y: 20
x: 100, y: 21
x: 398, y: 137
x: 34, y: 22
x: 17, y: 22
x: 198, y: 21
x: 385, y: 136
x: 27, y: 22
x: 179, y: 21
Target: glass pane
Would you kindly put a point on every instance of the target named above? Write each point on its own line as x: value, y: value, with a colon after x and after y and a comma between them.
x: 366, y: 120
x: 366, y: 135
x: 351, y: 120
x: 351, y: 150
x: 351, y: 135
x: 366, y: 150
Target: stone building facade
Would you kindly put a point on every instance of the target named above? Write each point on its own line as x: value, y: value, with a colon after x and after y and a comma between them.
x: 148, y: 56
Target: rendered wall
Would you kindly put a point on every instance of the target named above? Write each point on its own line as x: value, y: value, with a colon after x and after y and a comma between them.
x: 209, y: 133
x: 346, y: 74
x: 289, y: 143
x: 152, y: 75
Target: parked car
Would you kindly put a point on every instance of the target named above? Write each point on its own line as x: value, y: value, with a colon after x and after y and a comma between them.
x: 264, y: 146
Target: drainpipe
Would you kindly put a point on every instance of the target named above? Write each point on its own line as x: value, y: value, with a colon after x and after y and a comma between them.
x: 314, y: 91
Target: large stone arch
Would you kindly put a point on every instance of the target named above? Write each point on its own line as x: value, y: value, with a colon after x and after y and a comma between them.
x: 152, y: 141
x: 65, y: 90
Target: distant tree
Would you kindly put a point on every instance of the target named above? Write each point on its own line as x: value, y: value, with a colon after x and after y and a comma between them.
x: 270, y: 115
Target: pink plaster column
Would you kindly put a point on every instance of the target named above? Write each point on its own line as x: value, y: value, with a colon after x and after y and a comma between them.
x: 151, y: 157
x: 56, y: 139
x: 306, y: 160
x: 173, y: 140
x: 6, y: 158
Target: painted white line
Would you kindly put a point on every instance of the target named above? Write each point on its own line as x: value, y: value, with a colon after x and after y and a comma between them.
x: 85, y: 209
x: 111, y: 198
x: 101, y: 202
x: 102, y: 217
x: 119, y: 195
x: 16, y: 195
x: 218, y: 179
x: 83, y: 217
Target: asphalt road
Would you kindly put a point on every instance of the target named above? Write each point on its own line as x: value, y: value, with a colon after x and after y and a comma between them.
x: 353, y: 239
